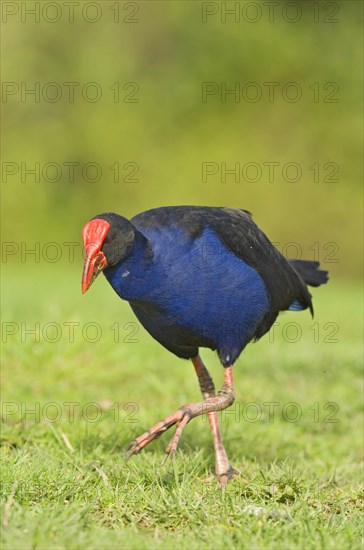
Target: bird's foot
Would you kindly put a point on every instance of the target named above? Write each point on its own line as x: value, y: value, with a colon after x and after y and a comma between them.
x: 224, y: 470
x: 180, y: 417
x: 225, y: 476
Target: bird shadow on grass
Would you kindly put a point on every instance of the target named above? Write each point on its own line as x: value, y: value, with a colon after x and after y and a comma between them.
x: 260, y: 474
x: 190, y: 443
x: 118, y: 442
x: 195, y: 456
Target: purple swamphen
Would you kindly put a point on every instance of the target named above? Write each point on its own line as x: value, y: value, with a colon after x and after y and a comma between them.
x: 197, y: 277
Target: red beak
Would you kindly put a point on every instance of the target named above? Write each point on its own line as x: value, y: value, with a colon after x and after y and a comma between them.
x: 93, y: 234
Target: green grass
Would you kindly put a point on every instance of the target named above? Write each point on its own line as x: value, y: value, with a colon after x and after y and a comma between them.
x: 298, y: 484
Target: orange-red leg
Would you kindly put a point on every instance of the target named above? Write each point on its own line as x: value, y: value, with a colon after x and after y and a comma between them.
x: 211, y: 404
x: 222, y: 465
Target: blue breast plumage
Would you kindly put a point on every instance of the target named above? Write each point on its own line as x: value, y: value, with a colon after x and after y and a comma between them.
x: 192, y: 292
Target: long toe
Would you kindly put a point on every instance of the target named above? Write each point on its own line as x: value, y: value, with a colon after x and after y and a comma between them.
x: 172, y: 447
x: 156, y: 431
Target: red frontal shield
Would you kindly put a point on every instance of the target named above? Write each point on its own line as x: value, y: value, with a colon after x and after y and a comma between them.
x: 93, y: 234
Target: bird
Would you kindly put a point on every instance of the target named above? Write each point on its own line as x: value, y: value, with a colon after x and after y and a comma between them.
x: 197, y: 277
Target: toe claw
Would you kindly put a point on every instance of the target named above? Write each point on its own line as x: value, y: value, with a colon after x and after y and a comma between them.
x: 168, y: 454
x: 130, y: 450
x: 226, y: 476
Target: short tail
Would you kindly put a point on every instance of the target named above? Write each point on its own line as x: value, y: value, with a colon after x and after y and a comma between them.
x: 310, y: 272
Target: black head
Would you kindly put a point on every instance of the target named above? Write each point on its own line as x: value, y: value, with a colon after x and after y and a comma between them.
x: 120, y: 238
x: 108, y: 239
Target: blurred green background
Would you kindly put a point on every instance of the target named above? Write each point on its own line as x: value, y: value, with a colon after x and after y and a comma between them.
x: 159, y: 133
x: 161, y: 53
